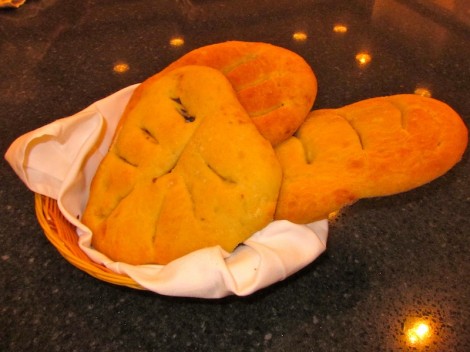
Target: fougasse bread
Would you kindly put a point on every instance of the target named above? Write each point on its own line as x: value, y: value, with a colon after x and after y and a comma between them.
x: 276, y: 86
x: 375, y: 147
x: 187, y: 169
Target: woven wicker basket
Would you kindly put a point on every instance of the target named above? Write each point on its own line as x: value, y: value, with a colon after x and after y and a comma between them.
x: 63, y: 236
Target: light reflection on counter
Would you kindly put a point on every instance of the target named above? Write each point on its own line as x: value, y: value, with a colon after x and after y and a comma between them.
x: 177, y: 41
x: 424, y: 92
x: 299, y: 36
x: 121, y: 67
x: 423, y: 325
x: 363, y: 58
x: 333, y: 215
x: 418, y: 333
x: 340, y: 28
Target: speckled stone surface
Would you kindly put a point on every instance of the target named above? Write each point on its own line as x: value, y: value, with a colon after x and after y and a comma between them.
x: 389, y: 261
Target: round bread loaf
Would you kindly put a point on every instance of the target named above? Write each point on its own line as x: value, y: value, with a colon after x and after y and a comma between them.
x: 275, y: 85
x: 376, y: 147
x: 187, y: 169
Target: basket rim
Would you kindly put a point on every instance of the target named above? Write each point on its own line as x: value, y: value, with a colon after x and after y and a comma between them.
x: 62, y: 235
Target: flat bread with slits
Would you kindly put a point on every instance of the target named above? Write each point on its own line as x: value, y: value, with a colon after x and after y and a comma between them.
x: 276, y: 86
x: 376, y: 147
x: 187, y: 169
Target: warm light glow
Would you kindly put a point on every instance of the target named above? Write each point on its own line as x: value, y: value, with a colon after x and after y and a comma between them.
x: 363, y: 58
x: 121, y: 67
x: 340, y: 28
x: 422, y: 330
x: 176, y: 41
x: 419, y: 333
x: 424, y: 92
x: 300, y: 36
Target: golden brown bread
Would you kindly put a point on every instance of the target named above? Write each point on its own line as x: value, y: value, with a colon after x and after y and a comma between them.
x: 187, y: 169
x: 376, y: 147
x: 275, y: 85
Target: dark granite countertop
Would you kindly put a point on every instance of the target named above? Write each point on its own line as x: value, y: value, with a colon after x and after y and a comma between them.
x: 389, y: 260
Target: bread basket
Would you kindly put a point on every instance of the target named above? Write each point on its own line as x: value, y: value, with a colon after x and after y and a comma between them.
x: 54, y: 161
x: 63, y: 236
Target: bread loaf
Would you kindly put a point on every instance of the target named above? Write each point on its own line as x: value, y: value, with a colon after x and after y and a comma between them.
x: 376, y: 147
x: 187, y: 169
x: 275, y: 85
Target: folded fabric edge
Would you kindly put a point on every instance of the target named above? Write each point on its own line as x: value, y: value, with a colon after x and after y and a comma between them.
x: 24, y: 153
x: 254, y: 266
x: 226, y: 281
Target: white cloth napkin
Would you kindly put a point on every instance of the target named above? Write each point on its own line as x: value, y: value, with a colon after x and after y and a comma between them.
x: 59, y: 161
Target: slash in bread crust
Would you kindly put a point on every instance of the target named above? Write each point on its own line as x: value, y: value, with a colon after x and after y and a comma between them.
x: 187, y: 169
x: 275, y: 85
x: 375, y: 147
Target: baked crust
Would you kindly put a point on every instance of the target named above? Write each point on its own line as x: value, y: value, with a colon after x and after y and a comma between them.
x: 275, y: 85
x: 187, y: 169
x: 375, y: 147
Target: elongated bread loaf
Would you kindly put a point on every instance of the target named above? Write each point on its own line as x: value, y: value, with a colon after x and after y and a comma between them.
x: 376, y: 147
x: 187, y: 169
x: 275, y: 85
